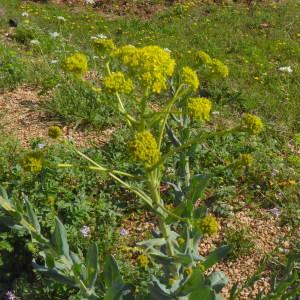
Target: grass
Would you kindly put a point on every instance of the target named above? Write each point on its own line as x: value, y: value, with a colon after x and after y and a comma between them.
x: 254, y: 41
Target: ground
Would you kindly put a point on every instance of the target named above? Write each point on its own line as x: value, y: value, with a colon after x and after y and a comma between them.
x: 258, y: 42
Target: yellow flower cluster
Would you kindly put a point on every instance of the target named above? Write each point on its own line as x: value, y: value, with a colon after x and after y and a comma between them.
x: 151, y: 64
x: 104, y: 45
x: 208, y: 225
x: 76, y: 63
x: 199, y: 108
x: 188, y: 271
x: 33, y: 162
x: 143, y: 261
x: 203, y: 57
x: 252, y: 124
x: 54, y: 132
x: 144, y: 148
x: 214, y: 65
x: 116, y: 82
x: 190, y: 78
x: 246, y: 159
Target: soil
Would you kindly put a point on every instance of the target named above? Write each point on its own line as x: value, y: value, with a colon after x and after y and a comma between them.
x: 22, y: 117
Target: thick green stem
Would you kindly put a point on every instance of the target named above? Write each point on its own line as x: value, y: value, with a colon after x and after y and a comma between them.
x: 154, y: 186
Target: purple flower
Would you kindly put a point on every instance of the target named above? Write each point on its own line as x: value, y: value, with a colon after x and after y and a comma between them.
x: 275, y: 211
x: 85, y: 231
x: 124, y: 232
x: 10, y: 295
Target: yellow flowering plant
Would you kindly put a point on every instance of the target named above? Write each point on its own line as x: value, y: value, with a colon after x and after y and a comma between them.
x: 167, y: 135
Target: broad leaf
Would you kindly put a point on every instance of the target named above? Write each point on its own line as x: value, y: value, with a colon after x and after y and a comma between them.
x: 217, y: 281
x: 92, y: 265
x: 59, y: 239
x: 215, y: 256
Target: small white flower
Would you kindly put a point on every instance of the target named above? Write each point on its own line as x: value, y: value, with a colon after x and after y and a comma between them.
x: 41, y: 146
x: 34, y: 42
x: 25, y: 14
x: 167, y: 50
x: 10, y: 295
x: 54, y: 34
x: 124, y: 232
x: 54, y: 61
x: 89, y: 1
x: 215, y: 113
x: 287, y: 69
x: 275, y: 211
x: 61, y: 18
x: 95, y: 57
x: 85, y: 231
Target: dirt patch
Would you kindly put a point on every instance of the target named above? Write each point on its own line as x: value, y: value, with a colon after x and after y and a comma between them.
x: 21, y: 117
x: 267, y: 234
x: 263, y: 226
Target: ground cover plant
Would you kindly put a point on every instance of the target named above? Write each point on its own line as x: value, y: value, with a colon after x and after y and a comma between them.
x: 256, y: 45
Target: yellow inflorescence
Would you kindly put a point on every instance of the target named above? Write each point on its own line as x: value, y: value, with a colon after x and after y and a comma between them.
x: 252, y: 124
x: 76, y: 63
x: 190, y: 78
x: 54, y: 132
x: 216, y: 66
x: 246, y: 159
x: 116, y: 82
x: 104, y: 45
x: 33, y: 162
x: 199, y: 108
x: 208, y: 225
x: 152, y: 65
x: 203, y: 57
x: 143, y: 260
x: 188, y: 271
x: 144, y: 148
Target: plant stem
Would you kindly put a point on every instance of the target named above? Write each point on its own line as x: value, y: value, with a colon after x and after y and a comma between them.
x: 154, y: 186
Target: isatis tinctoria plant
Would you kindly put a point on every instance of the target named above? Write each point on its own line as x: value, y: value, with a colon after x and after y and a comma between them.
x: 168, y: 119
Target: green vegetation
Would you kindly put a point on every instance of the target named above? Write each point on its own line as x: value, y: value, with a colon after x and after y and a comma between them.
x: 244, y: 59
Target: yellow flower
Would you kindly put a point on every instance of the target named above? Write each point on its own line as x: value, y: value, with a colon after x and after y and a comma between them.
x: 143, y: 261
x: 76, y: 63
x: 181, y: 241
x: 33, y: 162
x: 116, y: 82
x: 144, y: 148
x: 151, y: 65
x: 199, y: 108
x: 218, y: 68
x: 203, y: 57
x: 246, y: 159
x: 54, y: 132
x: 190, y: 78
x: 51, y: 200
x: 252, y: 124
x: 188, y: 271
x: 208, y: 225
x: 104, y: 45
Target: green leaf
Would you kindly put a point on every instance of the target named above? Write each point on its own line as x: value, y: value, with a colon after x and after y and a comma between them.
x: 215, y: 256
x: 195, y: 282
x: 111, y: 271
x: 5, y: 202
x: 59, y: 239
x: 197, y: 187
x: 54, y: 274
x: 217, y: 281
x: 92, y: 265
x: 202, y: 293
x: 32, y: 216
